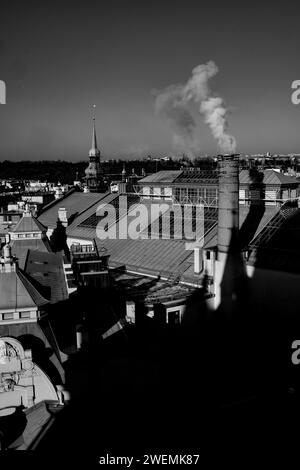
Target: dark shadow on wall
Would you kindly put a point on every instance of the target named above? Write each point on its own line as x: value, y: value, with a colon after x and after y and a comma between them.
x: 41, y: 356
x: 12, y: 427
x: 256, y: 209
x: 217, y: 384
x: 58, y: 239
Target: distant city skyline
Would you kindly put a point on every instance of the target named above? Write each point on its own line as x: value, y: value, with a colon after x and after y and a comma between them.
x: 58, y: 60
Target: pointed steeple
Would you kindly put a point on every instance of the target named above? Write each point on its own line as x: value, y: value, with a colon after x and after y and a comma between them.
x: 94, y: 152
x: 94, y: 172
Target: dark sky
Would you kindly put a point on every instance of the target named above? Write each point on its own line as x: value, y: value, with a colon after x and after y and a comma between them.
x: 57, y: 59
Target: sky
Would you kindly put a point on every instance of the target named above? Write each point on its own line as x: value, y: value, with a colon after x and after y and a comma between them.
x: 59, y: 58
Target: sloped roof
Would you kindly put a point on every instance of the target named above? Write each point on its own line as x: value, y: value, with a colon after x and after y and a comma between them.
x: 269, y: 177
x: 83, y: 226
x: 211, y: 239
x: 18, y: 292
x: 182, y: 176
x: 164, y: 176
x: 47, y: 270
x: 277, y: 247
x: 75, y: 203
x: 19, y: 248
x: 157, y: 257
x: 28, y: 223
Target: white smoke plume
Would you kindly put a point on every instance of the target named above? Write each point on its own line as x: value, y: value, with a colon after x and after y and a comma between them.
x: 171, y: 104
x: 176, y: 101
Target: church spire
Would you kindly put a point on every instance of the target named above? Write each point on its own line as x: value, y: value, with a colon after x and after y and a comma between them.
x: 94, y: 152
x: 94, y: 172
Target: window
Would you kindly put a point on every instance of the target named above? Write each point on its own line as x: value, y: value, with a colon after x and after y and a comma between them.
x: 211, y: 195
x: 146, y: 192
x: 168, y: 193
x: 242, y: 196
x: 192, y: 194
x: 8, y: 316
x: 174, y: 317
x: 183, y: 195
x: 177, y: 194
x: 201, y: 192
x: 254, y: 194
x: 24, y: 314
x: 270, y: 197
x: 156, y: 192
x: 208, y: 255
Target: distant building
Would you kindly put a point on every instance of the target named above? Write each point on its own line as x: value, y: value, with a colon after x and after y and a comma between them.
x: 197, y: 186
x: 270, y: 186
x: 39, y: 198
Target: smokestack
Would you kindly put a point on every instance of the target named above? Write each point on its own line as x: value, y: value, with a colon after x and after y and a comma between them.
x: 228, y: 215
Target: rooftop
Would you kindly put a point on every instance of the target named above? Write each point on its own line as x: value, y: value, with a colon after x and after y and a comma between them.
x: 19, y: 248
x: 47, y: 270
x: 197, y: 175
x: 165, y: 176
x: 17, y: 291
x: 269, y: 177
x: 74, y: 202
x: 84, y: 226
x: 28, y: 223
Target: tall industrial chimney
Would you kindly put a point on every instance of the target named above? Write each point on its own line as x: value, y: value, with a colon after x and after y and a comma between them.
x: 228, y: 214
x: 228, y: 217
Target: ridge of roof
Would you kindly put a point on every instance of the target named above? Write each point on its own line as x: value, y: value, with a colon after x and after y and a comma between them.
x: 55, y: 201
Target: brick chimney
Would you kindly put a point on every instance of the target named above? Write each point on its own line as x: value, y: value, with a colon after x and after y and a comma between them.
x: 63, y: 216
x: 228, y: 214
